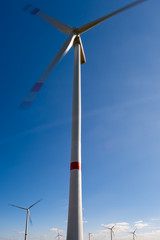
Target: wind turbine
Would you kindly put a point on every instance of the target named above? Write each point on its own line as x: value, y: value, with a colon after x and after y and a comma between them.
x: 28, y: 215
x: 89, y: 235
x: 134, y: 234
x: 75, y: 223
x: 59, y: 235
x: 111, y: 230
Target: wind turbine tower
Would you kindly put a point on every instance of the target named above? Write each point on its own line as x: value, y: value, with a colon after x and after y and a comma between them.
x: 134, y: 234
x: 75, y: 221
x: 111, y: 230
x: 59, y: 235
x: 89, y: 235
x: 27, y: 215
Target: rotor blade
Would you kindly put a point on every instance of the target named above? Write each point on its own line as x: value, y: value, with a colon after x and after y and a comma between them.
x: 30, y: 219
x: 113, y: 226
x: 90, y: 25
x: 18, y: 206
x: 135, y: 230
x: 37, y: 86
x: 57, y: 24
x: 107, y: 227
x: 83, y: 58
x: 59, y: 235
x: 35, y: 203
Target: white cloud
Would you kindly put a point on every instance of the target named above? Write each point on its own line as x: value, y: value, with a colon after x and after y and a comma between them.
x: 119, y: 227
x: 103, y: 235
x: 145, y: 231
x: 41, y: 237
x: 122, y: 231
x: 154, y: 235
x: 122, y: 227
x: 5, y: 238
x: 84, y: 221
x: 57, y: 230
x: 140, y: 221
x: 140, y: 224
x: 155, y: 219
x: 18, y: 232
x: 123, y: 223
x: 108, y: 225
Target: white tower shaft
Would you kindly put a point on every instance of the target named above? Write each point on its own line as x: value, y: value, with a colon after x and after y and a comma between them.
x: 75, y: 223
x: 26, y: 229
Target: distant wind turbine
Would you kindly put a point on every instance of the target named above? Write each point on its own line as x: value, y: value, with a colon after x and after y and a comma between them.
x: 134, y: 234
x: 89, y: 235
x: 59, y: 235
x: 75, y: 221
x: 111, y: 230
x: 28, y: 215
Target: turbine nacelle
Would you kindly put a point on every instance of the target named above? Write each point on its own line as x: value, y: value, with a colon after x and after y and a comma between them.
x: 74, y: 30
x: 79, y: 41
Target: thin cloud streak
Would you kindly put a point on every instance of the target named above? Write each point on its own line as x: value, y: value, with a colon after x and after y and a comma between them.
x: 119, y: 227
x: 140, y: 225
x: 57, y: 230
x: 93, y: 112
x: 37, y: 129
x: 18, y: 232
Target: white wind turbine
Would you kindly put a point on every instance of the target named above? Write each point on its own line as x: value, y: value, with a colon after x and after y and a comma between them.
x: 134, y: 234
x: 59, y: 235
x: 111, y: 230
x: 27, y: 215
x: 89, y: 236
x: 75, y: 223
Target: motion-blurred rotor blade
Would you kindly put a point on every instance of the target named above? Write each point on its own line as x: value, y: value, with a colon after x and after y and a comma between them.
x: 90, y: 25
x: 83, y: 57
x: 17, y: 206
x: 106, y: 227
x: 30, y: 220
x: 37, y: 86
x: 34, y: 204
x: 59, y: 235
x: 135, y: 230
x: 57, y: 24
x: 113, y: 226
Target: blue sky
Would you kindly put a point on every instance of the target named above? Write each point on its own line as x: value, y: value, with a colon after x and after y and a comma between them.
x: 120, y: 119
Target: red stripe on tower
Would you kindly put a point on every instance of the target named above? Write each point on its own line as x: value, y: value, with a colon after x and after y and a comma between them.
x: 75, y: 165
